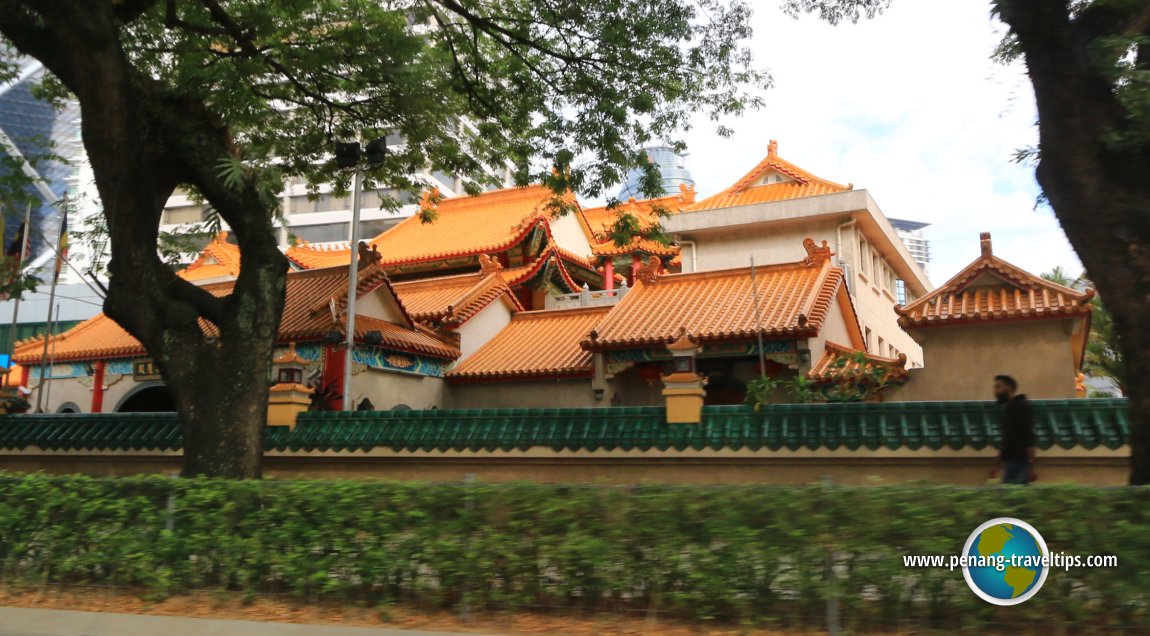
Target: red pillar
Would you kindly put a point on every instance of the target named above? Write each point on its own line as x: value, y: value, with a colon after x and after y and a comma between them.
x: 636, y: 263
x: 609, y: 273
x: 98, y: 388
x: 333, y: 375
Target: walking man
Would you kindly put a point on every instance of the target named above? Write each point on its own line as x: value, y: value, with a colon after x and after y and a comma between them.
x: 1016, y: 459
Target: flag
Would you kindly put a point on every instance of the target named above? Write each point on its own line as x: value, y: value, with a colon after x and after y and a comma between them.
x: 62, y: 244
x: 15, y: 247
x: 14, y: 259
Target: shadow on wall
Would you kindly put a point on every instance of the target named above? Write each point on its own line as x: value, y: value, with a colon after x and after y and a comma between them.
x: 151, y: 399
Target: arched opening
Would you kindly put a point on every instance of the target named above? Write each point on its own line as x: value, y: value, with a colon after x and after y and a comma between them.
x: 150, y: 399
x: 723, y: 389
x: 68, y: 407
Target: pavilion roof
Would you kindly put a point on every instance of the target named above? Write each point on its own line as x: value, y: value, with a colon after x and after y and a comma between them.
x: 794, y: 183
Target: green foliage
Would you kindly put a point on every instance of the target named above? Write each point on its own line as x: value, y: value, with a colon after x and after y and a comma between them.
x: 738, y: 554
x: 760, y: 390
x: 1103, y: 355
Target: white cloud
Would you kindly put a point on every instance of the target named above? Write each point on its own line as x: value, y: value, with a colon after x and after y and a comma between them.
x: 910, y: 107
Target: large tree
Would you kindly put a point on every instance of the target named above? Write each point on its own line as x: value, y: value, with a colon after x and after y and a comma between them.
x: 228, y: 98
x: 1089, y: 62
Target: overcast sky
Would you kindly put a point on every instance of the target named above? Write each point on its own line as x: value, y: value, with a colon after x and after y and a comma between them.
x: 910, y: 107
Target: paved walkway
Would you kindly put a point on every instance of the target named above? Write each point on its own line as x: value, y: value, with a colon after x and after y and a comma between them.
x: 37, y: 622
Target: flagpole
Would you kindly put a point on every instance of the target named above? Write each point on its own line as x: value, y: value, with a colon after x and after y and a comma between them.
x: 11, y: 344
x: 51, y: 302
x: 758, y: 321
x: 52, y: 359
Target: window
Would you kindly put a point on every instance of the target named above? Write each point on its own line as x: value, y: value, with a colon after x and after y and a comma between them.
x: 881, y: 346
x: 864, y: 257
x: 900, y: 291
x: 182, y: 214
x: 867, y: 337
x: 321, y: 233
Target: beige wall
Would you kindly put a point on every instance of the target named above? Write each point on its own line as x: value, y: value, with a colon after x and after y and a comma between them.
x: 961, y: 362
x: 768, y: 243
x: 1100, y: 466
x: 874, y: 300
x: 482, y: 327
x: 386, y: 389
x: 540, y: 394
x: 567, y: 230
x: 79, y: 391
x: 379, y: 304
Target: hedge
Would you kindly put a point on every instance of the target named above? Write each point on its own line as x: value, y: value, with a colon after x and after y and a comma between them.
x: 749, y: 555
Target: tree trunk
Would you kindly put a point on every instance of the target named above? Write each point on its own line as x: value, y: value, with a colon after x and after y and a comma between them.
x: 1098, y: 188
x: 214, y: 353
x: 223, y: 416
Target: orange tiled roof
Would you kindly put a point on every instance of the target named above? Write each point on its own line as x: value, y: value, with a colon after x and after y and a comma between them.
x: 488, y: 223
x: 799, y: 184
x: 467, y: 225
x: 718, y: 306
x: 453, y: 299
x: 310, y: 256
x: 307, y: 316
x: 992, y: 290
x: 839, y: 361
x: 536, y: 343
x: 599, y: 221
x: 219, y: 259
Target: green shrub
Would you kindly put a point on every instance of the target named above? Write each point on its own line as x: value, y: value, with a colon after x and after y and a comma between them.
x: 747, y: 555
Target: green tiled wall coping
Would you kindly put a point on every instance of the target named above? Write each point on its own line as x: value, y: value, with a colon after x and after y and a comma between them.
x: 934, y: 425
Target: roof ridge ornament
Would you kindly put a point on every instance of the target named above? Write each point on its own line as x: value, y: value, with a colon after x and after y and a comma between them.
x: 773, y: 148
x: 368, y: 255
x: 649, y: 271
x: 686, y: 193
x: 488, y: 264
x: 816, y: 254
x: 984, y: 242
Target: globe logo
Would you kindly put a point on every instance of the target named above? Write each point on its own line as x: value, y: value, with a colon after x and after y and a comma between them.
x: 1006, y: 561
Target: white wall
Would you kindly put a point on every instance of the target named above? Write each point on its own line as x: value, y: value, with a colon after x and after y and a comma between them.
x: 387, y: 389
x: 482, y: 327
x: 380, y: 304
x: 568, y: 234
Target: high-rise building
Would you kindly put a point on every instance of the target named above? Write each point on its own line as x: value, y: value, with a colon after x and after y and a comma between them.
x: 31, y: 130
x: 672, y: 169
x: 325, y: 217
x: 915, y: 241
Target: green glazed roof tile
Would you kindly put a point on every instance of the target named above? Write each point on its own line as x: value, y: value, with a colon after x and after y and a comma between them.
x: 934, y: 425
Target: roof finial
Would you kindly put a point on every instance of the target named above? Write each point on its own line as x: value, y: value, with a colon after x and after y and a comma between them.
x: 984, y: 240
x: 773, y: 148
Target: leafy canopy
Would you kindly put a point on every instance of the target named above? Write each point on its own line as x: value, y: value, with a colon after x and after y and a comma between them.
x: 470, y: 87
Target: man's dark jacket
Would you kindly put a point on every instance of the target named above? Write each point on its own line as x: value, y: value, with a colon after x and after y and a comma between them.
x: 1017, y: 430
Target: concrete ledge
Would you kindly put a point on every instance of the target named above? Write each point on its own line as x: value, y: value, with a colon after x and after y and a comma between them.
x: 38, y: 622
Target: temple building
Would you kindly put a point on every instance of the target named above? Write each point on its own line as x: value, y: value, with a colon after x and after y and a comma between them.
x: 98, y: 367
x: 521, y: 297
x: 996, y: 318
x: 618, y: 355
x: 768, y: 212
x: 542, y: 253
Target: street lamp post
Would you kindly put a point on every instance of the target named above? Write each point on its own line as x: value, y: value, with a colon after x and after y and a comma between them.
x: 349, y: 155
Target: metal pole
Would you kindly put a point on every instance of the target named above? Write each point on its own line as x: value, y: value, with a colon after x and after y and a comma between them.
x: 19, y: 272
x: 758, y: 322
x: 52, y: 357
x: 44, y: 356
x: 352, y: 284
x: 48, y: 336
